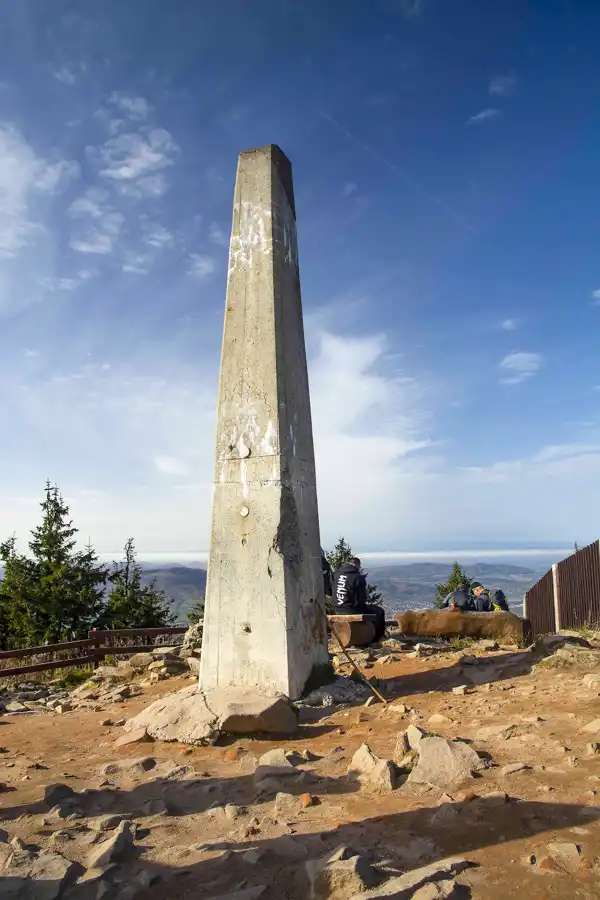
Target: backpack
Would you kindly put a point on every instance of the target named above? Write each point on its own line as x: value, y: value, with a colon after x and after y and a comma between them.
x: 498, y: 601
x: 462, y: 598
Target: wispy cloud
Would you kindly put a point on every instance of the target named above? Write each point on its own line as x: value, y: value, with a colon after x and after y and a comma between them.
x: 217, y: 235
x: 136, y: 263
x: 155, y: 421
x: 127, y: 157
x: 136, y: 154
x: 65, y: 75
x: 504, y: 85
x: 130, y: 164
x: 596, y: 297
x: 23, y: 178
x: 30, y: 187
x: 486, y: 115
x: 201, y: 266
x: 409, y: 9
x: 518, y: 367
x: 156, y: 235
x: 509, y: 324
x: 411, y: 182
x: 171, y: 465
x: 134, y: 106
x: 349, y: 188
x: 97, y: 224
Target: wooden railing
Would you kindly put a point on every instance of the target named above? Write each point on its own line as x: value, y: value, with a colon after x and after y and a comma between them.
x: 568, y: 596
x: 98, y: 644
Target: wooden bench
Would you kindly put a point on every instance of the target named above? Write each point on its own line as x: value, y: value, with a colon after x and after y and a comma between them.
x: 354, y: 630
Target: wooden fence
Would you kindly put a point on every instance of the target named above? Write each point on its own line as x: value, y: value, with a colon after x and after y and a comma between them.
x: 89, y: 651
x: 568, y: 596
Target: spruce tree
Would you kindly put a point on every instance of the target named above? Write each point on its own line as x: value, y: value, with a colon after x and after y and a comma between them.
x: 56, y: 593
x: 196, y: 613
x: 132, y: 604
x: 17, y: 598
x: 52, y: 546
x: 88, y: 600
x: 457, y: 577
x: 340, y: 554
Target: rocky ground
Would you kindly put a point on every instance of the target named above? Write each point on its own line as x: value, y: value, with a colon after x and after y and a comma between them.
x: 479, y: 778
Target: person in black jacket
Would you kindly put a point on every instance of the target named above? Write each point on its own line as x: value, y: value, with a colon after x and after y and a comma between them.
x: 489, y: 601
x: 350, y: 595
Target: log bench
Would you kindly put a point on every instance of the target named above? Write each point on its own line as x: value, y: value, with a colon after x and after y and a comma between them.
x: 354, y: 630
x: 448, y: 623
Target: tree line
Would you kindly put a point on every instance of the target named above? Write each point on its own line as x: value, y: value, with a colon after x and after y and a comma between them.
x: 58, y: 592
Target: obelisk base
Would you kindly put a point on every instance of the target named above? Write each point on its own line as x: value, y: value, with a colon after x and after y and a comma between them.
x: 197, y: 718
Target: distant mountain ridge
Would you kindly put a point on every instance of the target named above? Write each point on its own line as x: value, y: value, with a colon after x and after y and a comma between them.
x: 405, y: 586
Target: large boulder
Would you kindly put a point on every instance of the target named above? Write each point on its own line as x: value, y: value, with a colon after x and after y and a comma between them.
x: 339, y: 875
x: 116, y: 847
x: 443, y: 763
x: 192, y: 717
x: 192, y: 639
x: 449, y: 623
x: 31, y: 873
x: 372, y: 771
x: 405, y: 887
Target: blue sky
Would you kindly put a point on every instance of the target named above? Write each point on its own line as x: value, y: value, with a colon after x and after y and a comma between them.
x: 446, y: 173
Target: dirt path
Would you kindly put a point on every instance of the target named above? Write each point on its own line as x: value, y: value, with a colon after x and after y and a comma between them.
x: 553, y: 799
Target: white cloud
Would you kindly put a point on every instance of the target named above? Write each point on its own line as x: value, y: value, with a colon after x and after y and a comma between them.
x: 486, y: 115
x: 135, y: 107
x: 596, y: 297
x: 30, y: 186
x: 349, y: 188
x: 518, y: 367
x: 65, y: 75
x: 23, y: 176
x: 217, y: 235
x: 170, y: 465
x: 509, y: 324
x: 134, y: 433
x: 201, y: 266
x: 149, y: 186
x: 136, y: 263
x: 51, y: 176
x: 156, y: 235
x: 129, y: 156
x: 93, y: 204
x: 503, y: 85
x: 97, y: 224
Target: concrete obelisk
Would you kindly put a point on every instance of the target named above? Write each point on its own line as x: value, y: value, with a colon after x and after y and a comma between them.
x: 262, y: 625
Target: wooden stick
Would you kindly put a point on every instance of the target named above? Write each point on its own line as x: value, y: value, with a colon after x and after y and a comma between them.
x: 349, y: 658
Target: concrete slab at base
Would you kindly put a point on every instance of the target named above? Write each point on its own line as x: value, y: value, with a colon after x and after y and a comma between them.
x: 195, y: 717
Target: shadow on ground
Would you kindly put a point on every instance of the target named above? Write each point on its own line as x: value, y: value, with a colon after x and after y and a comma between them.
x: 487, y: 670
x: 406, y: 840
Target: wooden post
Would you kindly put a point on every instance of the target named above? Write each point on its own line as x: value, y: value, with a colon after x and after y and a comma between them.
x: 94, y: 648
x: 556, y: 596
